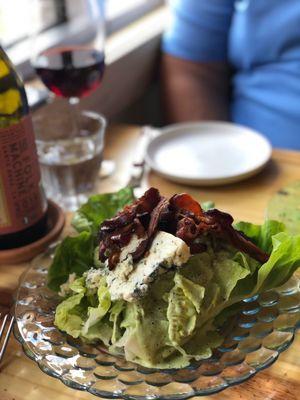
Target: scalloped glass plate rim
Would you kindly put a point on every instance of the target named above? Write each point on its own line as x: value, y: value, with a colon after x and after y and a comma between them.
x: 290, y: 289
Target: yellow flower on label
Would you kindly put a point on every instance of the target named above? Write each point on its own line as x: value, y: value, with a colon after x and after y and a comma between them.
x: 4, y: 70
x: 10, y: 101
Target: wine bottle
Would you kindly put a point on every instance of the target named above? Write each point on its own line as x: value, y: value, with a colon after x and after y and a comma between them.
x: 23, y: 204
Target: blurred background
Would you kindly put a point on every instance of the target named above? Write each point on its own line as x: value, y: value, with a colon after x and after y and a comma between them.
x: 132, y: 28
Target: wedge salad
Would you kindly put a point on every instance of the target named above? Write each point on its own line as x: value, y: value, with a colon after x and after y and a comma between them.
x: 154, y: 278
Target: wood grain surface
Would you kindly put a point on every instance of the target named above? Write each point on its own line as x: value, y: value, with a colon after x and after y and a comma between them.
x: 20, y: 378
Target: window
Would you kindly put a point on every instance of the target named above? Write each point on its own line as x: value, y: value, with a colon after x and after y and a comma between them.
x: 58, y: 19
x: 120, y: 13
x: 15, y: 18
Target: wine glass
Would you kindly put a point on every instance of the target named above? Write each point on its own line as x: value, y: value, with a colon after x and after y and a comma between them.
x: 69, y: 58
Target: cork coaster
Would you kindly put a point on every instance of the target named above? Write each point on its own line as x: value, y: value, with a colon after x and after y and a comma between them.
x: 55, y: 224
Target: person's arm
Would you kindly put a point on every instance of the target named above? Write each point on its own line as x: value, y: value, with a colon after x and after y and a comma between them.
x: 193, y: 90
x: 195, y: 75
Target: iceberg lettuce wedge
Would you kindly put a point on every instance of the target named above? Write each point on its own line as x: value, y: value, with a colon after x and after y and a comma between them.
x: 178, y: 320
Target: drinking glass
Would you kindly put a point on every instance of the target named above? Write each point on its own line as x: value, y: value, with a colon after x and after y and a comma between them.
x: 69, y: 164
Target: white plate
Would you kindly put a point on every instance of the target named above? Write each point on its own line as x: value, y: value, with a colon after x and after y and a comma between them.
x: 207, y: 153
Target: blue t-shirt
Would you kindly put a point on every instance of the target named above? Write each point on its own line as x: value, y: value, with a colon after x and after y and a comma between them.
x: 260, y: 39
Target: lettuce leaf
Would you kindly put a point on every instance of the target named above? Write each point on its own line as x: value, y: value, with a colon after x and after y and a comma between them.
x: 201, y: 345
x: 73, y: 255
x: 284, y: 250
x: 227, y: 273
x: 93, y: 328
x: 114, y: 317
x: 191, y: 290
x: 147, y: 340
x: 181, y: 316
x: 79, y: 317
x: 261, y: 235
x: 207, y: 205
x: 78, y: 286
x: 283, y: 262
x: 100, y: 207
x: 66, y: 315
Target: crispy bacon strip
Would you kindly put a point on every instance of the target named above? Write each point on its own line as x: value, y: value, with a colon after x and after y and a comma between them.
x: 156, y: 216
x: 143, y: 205
x: 185, y: 202
x: 237, y: 239
x: 181, y: 215
x: 160, y: 211
x: 115, y: 233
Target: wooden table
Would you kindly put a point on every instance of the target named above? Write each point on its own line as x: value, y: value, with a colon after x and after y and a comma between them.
x: 20, y: 378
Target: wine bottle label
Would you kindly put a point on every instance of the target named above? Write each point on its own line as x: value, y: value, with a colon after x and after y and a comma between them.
x: 22, y: 201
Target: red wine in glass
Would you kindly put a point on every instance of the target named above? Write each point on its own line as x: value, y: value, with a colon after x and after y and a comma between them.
x: 71, y: 72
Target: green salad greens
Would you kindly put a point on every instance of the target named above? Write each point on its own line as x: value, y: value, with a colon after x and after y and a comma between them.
x: 178, y: 318
x: 76, y: 254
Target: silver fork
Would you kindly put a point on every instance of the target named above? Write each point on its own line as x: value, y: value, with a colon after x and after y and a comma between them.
x: 7, y: 322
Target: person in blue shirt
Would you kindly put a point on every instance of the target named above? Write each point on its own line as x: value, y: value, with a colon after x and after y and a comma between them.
x: 235, y: 60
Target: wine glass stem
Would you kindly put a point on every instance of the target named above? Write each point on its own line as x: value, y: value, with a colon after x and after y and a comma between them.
x: 74, y: 106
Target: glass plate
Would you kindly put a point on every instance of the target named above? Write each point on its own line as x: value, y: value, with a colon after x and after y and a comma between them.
x: 263, y: 329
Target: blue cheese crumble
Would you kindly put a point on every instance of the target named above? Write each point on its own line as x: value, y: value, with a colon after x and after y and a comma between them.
x: 129, y: 280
